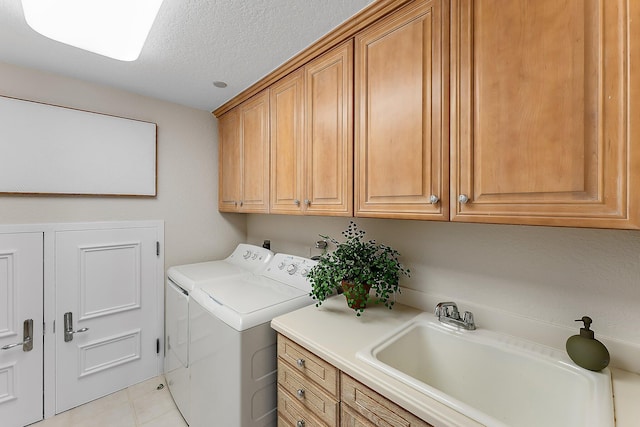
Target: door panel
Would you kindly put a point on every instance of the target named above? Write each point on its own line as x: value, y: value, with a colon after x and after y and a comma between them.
x: 329, y: 133
x: 229, y: 161
x: 540, y: 114
x: 107, y: 280
x: 21, y: 298
x: 287, y: 144
x: 401, y: 111
x: 254, y: 123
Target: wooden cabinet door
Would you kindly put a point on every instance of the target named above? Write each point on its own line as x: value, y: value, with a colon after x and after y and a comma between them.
x: 254, y: 132
x: 287, y: 143
x: 401, y: 113
x: 329, y: 133
x: 229, y: 164
x: 540, y: 115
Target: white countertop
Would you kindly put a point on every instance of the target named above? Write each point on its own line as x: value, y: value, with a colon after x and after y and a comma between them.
x: 334, y: 333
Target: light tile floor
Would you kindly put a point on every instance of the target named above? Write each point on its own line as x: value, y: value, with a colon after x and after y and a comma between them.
x: 141, y: 405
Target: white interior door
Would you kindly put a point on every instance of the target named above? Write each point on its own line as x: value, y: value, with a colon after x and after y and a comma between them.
x: 107, y: 279
x: 21, y: 299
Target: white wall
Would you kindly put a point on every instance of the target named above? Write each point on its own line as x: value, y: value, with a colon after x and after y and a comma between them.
x: 187, y: 169
x: 550, y: 275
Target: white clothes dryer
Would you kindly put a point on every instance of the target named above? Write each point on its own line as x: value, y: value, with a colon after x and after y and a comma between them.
x: 181, y: 281
x: 233, y: 348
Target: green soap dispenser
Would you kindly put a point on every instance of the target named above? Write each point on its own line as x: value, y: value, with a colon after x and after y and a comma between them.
x: 585, y: 350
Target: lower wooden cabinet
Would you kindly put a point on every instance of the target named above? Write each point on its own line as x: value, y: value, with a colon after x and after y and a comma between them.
x: 350, y: 418
x: 293, y: 414
x: 312, y: 399
x: 362, y: 406
x: 312, y: 392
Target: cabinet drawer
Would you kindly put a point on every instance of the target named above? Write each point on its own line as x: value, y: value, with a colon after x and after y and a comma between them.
x: 309, y: 365
x: 308, y: 394
x: 292, y: 414
x: 374, y: 407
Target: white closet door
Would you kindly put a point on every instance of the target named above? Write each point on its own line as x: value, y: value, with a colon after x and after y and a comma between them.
x: 107, y: 279
x: 21, y: 299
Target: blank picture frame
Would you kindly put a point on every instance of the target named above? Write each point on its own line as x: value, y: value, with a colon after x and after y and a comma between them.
x: 47, y: 149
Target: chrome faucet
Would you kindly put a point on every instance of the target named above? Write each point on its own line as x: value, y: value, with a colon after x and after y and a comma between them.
x: 447, y: 312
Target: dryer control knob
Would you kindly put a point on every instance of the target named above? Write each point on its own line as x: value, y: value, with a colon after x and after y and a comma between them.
x: 246, y: 255
x: 304, y: 272
x: 292, y: 269
x: 281, y: 265
x: 255, y: 256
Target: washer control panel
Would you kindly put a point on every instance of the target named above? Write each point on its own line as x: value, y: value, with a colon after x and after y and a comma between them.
x: 291, y: 270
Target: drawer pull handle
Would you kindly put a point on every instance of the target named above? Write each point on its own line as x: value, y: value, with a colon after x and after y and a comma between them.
x: 300, y: 423
x: 300, y: 393
x: 300, y: 363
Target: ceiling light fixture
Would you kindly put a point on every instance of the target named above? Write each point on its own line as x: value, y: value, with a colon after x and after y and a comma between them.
x: 219, y: 84
x: 113, y: 28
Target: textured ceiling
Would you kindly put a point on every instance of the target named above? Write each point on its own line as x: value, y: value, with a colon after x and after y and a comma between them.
x: 192, y: 43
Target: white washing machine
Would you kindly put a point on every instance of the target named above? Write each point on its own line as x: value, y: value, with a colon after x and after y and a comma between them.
x: 181, y: 281
x: 233, y: 348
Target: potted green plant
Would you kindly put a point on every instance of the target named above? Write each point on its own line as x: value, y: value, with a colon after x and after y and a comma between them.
x: 356, y: 266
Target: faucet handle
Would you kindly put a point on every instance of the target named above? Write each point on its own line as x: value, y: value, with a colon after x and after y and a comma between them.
x: 443, y: 311
x: 455, y: 314
x: 468, y: 320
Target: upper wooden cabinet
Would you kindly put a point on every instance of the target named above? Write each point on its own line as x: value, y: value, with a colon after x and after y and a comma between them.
x: 311, y: 137
x: 244, y: 157
x: 497, y: 111
x: 287, y: 144
x: 540, y: 113
x: 401, y: 114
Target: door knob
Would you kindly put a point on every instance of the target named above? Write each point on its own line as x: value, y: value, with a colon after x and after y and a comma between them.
x: 68, y: 327
x: 27, y: 337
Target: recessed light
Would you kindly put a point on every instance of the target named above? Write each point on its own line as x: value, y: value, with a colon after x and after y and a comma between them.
x: 113, y: 28
x: 219, y: 84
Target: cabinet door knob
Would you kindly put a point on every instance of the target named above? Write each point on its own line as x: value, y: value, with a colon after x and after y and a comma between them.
x: 241, y: 203
x: 463, y: 198
x: 300, y: 363
x: 296, y: 202
x: 434, y: 199
x: 300, y: 393
x: 307, y: 202
x: 300, y: 423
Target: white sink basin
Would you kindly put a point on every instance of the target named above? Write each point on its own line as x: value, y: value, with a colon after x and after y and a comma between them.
x: 495, y: 379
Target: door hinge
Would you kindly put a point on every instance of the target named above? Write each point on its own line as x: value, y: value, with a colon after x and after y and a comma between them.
x: 157, y: 248
x: 157, y: 345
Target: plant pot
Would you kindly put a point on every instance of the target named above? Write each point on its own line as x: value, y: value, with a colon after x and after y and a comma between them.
x: 356, y: 295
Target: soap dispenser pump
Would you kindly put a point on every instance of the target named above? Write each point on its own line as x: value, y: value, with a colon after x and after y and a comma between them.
x: 585, y: 350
